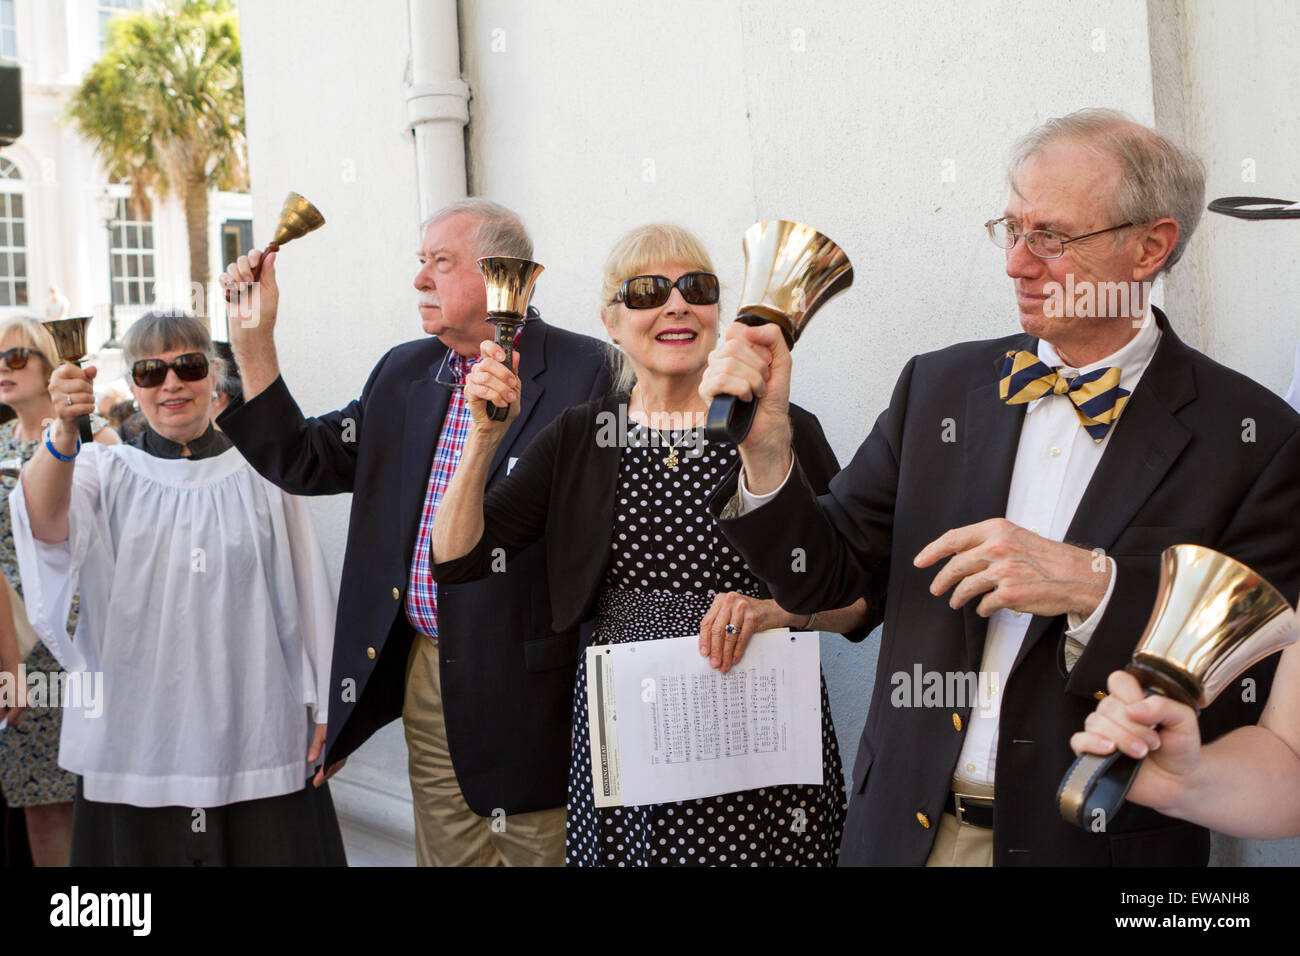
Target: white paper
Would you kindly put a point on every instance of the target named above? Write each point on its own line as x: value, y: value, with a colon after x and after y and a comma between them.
x: 683, y: 730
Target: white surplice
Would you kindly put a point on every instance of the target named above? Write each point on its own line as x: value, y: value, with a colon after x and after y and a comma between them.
x: 206, y: 606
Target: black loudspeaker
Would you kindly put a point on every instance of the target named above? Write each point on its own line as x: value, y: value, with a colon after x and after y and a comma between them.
x: 11, y: 103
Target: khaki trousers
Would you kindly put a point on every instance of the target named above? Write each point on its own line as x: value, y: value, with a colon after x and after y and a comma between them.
x: 447, y: 831
x: 961, y: 844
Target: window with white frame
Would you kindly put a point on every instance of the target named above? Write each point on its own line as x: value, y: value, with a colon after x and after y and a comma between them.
x: 108, y: 9
x: 13, y: 236
x: 131, y: 256
x: 8, y: 31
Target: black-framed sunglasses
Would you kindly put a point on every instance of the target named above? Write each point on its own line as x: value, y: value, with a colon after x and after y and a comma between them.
x: 650, y: 292
x: 150, y: 373
x: 16, y: 358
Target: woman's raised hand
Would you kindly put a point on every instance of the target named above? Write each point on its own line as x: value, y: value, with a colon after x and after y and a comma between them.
x: 72, y: 393
x: 490, y: 381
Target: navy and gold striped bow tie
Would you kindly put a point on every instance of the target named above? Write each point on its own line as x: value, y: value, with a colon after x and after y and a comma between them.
x: 1096, y: 395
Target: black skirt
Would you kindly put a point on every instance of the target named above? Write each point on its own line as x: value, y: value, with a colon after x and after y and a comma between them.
x: 295, y: 829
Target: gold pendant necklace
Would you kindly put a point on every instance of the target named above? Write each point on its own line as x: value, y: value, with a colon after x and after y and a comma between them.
x: 671, y: 460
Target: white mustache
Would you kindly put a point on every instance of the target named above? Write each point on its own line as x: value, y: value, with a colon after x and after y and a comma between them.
x: 430, y: 298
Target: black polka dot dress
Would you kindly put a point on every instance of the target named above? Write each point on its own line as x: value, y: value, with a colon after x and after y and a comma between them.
x: 667, y: 561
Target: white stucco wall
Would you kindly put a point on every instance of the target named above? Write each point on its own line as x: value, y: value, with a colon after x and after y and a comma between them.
x: 884, y: 125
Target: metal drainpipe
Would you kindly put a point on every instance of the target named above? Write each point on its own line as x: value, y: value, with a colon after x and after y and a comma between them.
x: 437, y: 103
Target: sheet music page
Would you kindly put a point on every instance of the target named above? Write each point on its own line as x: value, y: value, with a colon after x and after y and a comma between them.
x: 686, y: 731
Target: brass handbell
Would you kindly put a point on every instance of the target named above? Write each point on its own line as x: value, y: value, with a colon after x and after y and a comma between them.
x: 297, y: 218
x: 1213, y: 619
x: 791, y: 271
x: 509, y: 284
x: 70, y: 339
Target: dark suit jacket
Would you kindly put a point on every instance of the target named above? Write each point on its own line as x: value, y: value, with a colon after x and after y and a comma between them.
x: 562, y: 490
x: 506, y: 675
x: 1177, y: 469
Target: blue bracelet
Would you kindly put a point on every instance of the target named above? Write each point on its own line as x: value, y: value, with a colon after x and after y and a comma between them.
x: 55, y: 452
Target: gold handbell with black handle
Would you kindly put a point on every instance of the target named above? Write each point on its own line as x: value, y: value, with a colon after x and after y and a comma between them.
x: 791, y: 271
x: 1213, y: 619
x: 70, y: 341
x: 509, y: 284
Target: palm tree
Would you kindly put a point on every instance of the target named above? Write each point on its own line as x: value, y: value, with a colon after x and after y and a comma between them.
x: 164, y: 107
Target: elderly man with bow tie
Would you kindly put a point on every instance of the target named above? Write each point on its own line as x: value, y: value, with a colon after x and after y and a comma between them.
x: 1005, y: 516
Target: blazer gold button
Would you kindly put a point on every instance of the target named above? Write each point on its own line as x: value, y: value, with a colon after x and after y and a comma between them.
x: 956, y: 722
x: 370, y: 653
x: 396, y: 594
x: 1100, y: 695
x: 922, y: 819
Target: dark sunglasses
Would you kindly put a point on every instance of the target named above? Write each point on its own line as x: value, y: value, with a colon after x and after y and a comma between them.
x: 150, y: 373
x: 16, y: 358
x: 650, y: 292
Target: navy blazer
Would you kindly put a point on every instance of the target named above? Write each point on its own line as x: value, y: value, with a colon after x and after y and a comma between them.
x: 507, y: 676
x: 1201, y: 455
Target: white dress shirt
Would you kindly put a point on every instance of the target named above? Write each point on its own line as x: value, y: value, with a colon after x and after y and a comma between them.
x: 1055, y: 461
x: 207, y: 608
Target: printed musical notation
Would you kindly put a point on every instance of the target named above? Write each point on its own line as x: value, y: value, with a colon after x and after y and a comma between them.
x: 683, y: 730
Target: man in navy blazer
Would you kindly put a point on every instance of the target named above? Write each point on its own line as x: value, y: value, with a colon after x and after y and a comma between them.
x: 1005, y: 517
x: 483, y: 685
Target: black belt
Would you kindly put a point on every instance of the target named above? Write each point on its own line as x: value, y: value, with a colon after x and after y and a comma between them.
x: 977, y: 811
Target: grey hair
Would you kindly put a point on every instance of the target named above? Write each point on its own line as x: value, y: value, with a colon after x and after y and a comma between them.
x: 1159, y: 178
x: 500, y: 231
x: 157, y: 332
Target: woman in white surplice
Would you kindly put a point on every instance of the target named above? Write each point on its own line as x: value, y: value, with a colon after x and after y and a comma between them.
x: 202, y: 656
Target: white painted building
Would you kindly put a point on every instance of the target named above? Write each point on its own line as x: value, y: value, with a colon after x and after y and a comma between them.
x: 885, y: 125
x: 59, y: 213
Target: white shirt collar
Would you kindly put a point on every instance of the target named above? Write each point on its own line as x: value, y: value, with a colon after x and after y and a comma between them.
x: 1132, y: 358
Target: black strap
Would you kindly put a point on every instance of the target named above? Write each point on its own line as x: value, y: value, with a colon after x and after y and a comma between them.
x: 1094, y: 788
x: 1236, y: 206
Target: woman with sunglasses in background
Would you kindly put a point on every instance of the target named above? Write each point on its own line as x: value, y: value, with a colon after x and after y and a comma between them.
x: 618, y: 487
x: 30, y: 776
x: 206, y: 609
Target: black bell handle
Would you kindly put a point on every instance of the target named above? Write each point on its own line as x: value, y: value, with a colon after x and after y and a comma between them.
x: 504, y: 336
x: 729, y: 417
x: 1093, y: 789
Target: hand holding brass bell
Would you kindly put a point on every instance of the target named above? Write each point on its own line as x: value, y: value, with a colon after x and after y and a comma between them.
x: 1213, y: 619
x: 70, y: 340
x: 509, y: 284
x: 297, y: 218
x: 791, y: 271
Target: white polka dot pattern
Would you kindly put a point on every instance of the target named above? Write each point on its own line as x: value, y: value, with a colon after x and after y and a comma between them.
x: 667, y: 562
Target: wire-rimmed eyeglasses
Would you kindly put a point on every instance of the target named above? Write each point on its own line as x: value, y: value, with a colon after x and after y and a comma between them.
x: 1041, y: 242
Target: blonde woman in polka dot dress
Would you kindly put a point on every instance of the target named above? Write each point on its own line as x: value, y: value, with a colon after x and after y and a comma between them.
x: 618, y: 489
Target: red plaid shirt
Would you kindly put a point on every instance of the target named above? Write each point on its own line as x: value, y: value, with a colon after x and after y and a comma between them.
x: 421, y: 591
